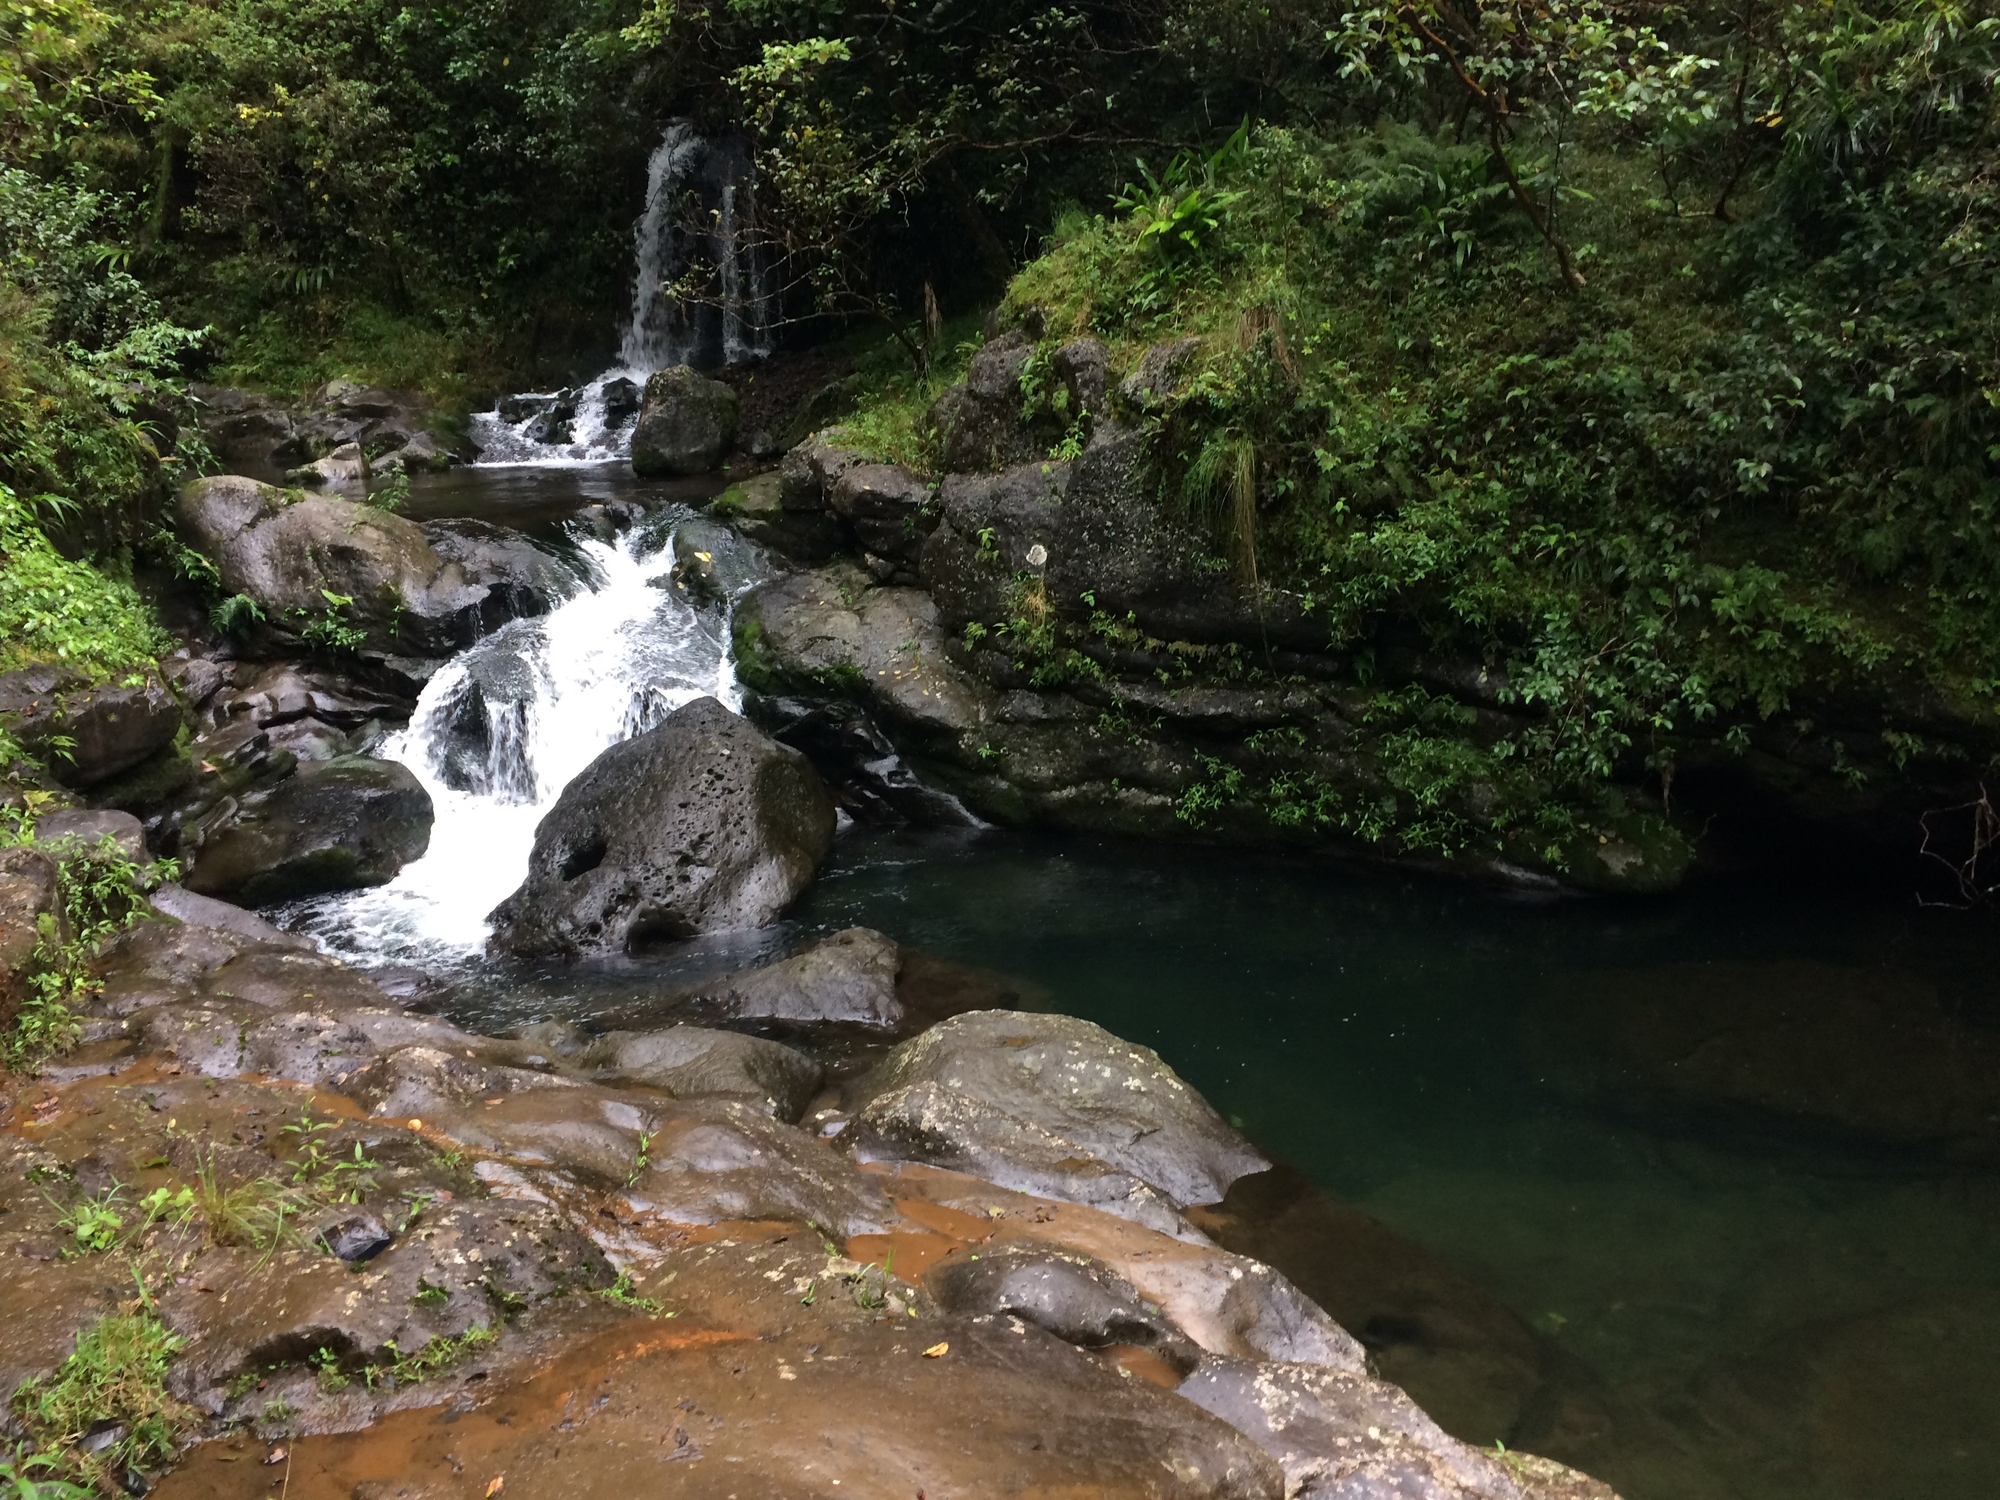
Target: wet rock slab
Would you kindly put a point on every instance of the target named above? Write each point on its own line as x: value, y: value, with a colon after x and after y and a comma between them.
x: 1004, y: 1409
x: 1051, y: 1105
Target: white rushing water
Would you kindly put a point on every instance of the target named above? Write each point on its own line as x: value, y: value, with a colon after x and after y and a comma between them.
x: 700, y: 219
x: 501, y: 730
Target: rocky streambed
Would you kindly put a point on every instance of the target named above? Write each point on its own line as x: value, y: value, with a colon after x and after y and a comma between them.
x: 420, y: 1261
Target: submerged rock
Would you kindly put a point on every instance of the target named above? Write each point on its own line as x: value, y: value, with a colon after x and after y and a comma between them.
x: 846, y: 980
x: 685, y: 425
x: 693, y: 1061
x: 1055, y: 1106
x: 702, y: 824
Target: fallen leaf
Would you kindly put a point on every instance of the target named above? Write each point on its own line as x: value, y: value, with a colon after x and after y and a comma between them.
x: 275, y: 1456
x: 499, y: 1483
x: 936, y: 1351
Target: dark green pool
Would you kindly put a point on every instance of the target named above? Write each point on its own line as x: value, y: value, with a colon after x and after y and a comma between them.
x: 1730, y: 1158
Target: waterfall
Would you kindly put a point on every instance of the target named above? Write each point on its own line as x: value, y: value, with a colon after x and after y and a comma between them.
x: 699, y: 223
x: 500, y: 730
x: 660, y: 333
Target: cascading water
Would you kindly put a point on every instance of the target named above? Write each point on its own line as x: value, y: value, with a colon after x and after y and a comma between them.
x: 699, y: 227
x: 659, y: 334
x: 500, y: 731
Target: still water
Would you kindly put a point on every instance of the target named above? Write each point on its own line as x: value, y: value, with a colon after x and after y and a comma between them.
x: 1701, y: 1194
x: 1735, y: 1270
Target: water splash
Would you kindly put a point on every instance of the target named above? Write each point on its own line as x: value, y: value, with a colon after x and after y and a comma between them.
x: 502, y: 729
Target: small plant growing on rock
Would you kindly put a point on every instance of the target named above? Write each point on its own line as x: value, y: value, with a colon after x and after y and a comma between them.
x: 116, y: 1375
x: 235, y: 616
x: 643, y: 1157
x: 331, y: 629
x: 622, y: 1293
x: 256, y: 1213
x: 341, y: 1179
x: 17, y: 1481
x: 428, y: 1295
x: 96, y: 1223
x: 326, y: 1367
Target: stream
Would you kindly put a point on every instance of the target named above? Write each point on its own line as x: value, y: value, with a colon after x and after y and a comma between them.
x: 1722, y: 1163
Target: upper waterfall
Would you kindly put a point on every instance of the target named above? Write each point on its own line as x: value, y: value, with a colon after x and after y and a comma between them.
x: 701, y: 295
x: 698, y: 235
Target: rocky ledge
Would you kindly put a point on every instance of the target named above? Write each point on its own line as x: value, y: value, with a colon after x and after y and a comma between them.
x: 396, y: 1258
x: 1042, y: 638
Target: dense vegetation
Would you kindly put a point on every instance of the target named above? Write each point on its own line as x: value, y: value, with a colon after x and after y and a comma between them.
x: 1646, y: 353
x: 1665, y: 390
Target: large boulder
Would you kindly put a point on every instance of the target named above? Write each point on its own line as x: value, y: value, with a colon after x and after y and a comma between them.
x: 87, y: 734
x: 333, y: 825
x: 685, y: 425
x: 319, y: 564
x: 523, y: 578
x: 1054, y: 1106
x: 703, y: 824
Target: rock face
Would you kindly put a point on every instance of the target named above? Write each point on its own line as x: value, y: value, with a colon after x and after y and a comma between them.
x: 699, y: 825
x: 890, y: 512
x: 110, y: 728
x: 322, y: 564
x: 806, y: 645
x: 27, y: 894
x: 255, y: 430
x: 1055, y: 1106
x: 685, y: 425
x: 334, y: 825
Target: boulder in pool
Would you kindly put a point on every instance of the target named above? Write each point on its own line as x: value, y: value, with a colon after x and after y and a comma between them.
x: 1054, y: 1106
x: 685, y: 425
x: 688, y: 1062
x: 703, y: 824
x: 847, y: 980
